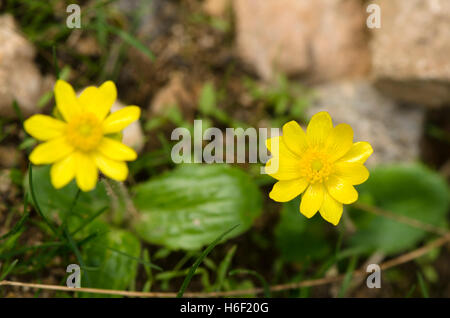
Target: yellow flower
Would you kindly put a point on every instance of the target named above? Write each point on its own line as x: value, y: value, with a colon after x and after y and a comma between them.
x: 81, y: 144
x: 322, y: 163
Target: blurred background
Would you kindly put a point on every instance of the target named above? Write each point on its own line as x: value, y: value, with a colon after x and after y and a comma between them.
x: 231, y: 63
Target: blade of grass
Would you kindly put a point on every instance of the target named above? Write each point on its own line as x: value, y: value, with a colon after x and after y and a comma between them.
x: 91, y: 237
x: 223, y: 268
x: 423, y: 286
x: 29, y: 248
x: 411, y: 291
x: 199, y: 260
x: 131, y: 40
x: 8, y: 270
x: 17, y: 110
x: 266, y: 286
x: 89, y: 220
x: 72, y: 244
x: 64, y: 225
x: 77, y: 253
x: 148, y: 270
x: 348, y: 277
x: 130, y: 256
x: 16, y: 228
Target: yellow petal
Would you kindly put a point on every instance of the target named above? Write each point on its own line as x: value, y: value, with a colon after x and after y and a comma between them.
x: 116, y: 150
x: 286, y: 162
x: 99, y: 100
x: 272, y: 141
x: 120, y: 119
x: 312, y: 200
x: 63, y: 171
x: 44, y: 127
x: 113, y: 169
x: 284, y: 191
x: 66, y: 100
x: 353, y: 173
x: 89, y: 98
x: 319, y: 128
x: 341, y: 190
x: 51, y: 151
x: 358, y: 153
x: 331, y: 210
x: 294, y: 137
x: 109, y: 92
x: 86, y: 171
x: 339, y: 141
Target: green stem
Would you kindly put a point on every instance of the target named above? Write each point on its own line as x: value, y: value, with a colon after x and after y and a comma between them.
x: 64, y: 225
x: 69, y: 237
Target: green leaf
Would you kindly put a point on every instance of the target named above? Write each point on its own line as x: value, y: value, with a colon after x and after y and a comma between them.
x: 56, y: 203
x: 410, y: 190
x: 299, y: 238
x: 189, y: 207
x: 113, y: 270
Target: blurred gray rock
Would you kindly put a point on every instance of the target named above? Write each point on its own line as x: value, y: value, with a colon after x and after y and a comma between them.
x: 394, y: 131
x: 411, y: 50
x: 152, y: 17
x: 321, y: 39
x: 20, y: 79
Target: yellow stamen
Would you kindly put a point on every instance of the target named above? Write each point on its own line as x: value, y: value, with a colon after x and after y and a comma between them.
x: 85, y: 132
x: 315, y: 166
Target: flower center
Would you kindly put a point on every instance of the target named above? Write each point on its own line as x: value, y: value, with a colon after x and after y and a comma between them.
x: 84, y: 132
x: 315, y: 166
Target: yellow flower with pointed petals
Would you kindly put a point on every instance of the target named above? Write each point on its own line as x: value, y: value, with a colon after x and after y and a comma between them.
x: 322, y: 164
x: 81, y: 144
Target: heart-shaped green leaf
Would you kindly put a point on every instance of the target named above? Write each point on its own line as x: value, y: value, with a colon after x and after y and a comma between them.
x: 299, y: 238
x: 55, y: 203
x: 111, y: 259
x: 191, y: 206
x: 410, y: 190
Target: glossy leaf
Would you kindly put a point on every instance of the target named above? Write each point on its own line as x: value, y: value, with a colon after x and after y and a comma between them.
x: 191, y: 206
x: 410, y: 190
x: 299, y: 238
x: 111, y: 260
x: 55, y: 203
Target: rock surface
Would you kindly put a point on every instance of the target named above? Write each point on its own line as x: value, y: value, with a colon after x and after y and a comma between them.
x: 410, y: 52
x: 216, y: 8
x: 175, y: 93
x: 393, y: 131
x: 20, y: 79
x: 323, y: 39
